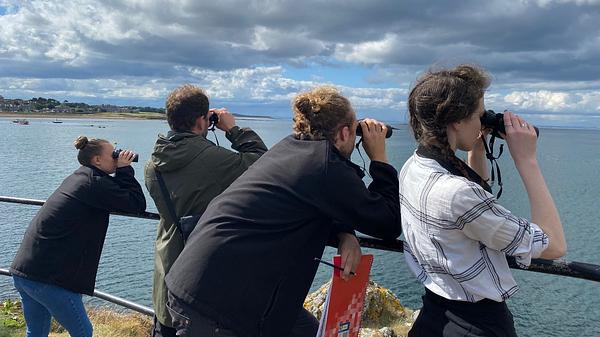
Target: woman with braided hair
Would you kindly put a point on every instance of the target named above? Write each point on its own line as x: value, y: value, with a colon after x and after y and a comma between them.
x: 457, y: 235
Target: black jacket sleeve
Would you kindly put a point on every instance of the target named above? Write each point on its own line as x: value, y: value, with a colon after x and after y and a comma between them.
x: 374, y: 210
x: 339, y: 227
x: 122, y: 193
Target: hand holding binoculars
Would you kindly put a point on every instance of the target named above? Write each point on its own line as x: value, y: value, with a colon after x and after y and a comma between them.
x: 495, y: 122
x: 116, y: 153
x: 388, y: 133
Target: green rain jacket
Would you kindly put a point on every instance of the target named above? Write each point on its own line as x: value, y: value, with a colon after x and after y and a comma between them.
x: 195, y: 171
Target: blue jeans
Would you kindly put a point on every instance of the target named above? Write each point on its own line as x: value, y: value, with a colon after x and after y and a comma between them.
x: 42, y: 301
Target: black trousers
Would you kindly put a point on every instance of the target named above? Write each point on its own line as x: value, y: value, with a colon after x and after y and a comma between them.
x: 447, y: 318
x: 159, y: 330
x: 190, y: 323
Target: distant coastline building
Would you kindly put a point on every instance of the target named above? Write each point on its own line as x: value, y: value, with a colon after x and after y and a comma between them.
x: 49, y: 105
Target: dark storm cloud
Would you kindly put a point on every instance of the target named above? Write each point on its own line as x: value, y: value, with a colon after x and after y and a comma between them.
x: 532, y: 40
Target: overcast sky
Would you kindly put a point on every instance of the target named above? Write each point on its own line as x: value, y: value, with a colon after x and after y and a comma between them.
x: 253, y: 56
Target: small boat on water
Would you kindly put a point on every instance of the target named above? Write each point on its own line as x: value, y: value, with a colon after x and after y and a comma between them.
x: 56, y: 121
x: 21, y: 121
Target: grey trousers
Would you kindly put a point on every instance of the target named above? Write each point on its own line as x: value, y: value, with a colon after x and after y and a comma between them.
x: 190, y: 323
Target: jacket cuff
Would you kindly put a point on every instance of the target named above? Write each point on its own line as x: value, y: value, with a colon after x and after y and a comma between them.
x: 125, y: 170
x: 338, y: 227
x: 378, y: 167
x: 333, y: 241
x: 233, y: 133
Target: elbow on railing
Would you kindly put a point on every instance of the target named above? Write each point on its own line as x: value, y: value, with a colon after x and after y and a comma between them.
x: 555, y: 251
x: 391, y: 233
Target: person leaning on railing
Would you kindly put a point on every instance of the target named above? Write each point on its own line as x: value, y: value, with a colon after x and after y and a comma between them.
x: 59, y: 255
x: 250, y: 261
x: 457, y: 235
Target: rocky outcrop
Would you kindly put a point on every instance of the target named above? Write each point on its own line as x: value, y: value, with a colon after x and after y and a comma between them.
x: 383, y: 315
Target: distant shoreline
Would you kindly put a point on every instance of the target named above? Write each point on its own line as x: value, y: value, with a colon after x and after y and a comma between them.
x: 99, y: 115
x: 109, y: 115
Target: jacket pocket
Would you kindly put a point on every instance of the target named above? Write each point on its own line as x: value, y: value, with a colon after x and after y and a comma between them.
x: 271, y: 305
x: 181, y: 323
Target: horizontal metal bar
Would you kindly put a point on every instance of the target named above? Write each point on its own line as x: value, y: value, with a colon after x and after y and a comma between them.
x: 124, y: 303
x: 37, y: 202
x: 586, y: 271
x: 109, y: 298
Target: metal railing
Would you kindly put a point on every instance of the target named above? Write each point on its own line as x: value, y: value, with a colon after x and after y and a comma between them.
x: 109, y: 298
x: 580, y: 270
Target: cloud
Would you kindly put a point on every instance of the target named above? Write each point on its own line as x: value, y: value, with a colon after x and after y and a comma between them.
x: 370, y: 52
x: 523, y: 35
x: 546, y: 3
x: 249, y: 86
x: 555, y: 101
x: 541, y: 100
x: 240, y: 50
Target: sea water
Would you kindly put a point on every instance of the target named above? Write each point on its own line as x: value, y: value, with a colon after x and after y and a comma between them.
x: 34, y: 160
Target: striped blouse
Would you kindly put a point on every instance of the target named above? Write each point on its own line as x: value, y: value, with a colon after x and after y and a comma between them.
x: 458, y: 235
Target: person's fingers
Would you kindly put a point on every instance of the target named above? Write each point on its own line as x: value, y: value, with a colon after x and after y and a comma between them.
x: 521, y: 122
x: 127, y: 155
x: 375, y: 126
x: 364, y: 127
x: 367, y: 124
x: 506, y: 118
x: 514, y: 121
x: 345, y: 265
x: 355, y: 263
x: 526, y: 126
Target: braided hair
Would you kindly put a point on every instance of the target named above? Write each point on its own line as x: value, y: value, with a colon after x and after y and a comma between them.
x: 440, y: 98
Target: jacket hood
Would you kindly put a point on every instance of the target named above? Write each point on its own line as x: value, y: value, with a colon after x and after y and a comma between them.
x: 177, y: 149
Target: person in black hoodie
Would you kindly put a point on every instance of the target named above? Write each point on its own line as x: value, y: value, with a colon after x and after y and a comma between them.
x: 58, y: 258
x: 250, y: 261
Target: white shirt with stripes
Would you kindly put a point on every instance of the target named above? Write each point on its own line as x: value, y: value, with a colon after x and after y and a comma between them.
x: 458, y: 236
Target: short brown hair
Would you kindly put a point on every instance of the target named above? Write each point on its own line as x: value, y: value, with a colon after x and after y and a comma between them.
x: 184, y: 105
x: 88, y: 148
x: 319, y: 113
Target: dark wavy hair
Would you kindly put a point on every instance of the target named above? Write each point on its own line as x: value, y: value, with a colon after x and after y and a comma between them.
x: 442, y: 97
x: 320, y: 113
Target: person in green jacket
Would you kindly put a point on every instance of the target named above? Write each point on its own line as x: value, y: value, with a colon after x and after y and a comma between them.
x: 195, y: 170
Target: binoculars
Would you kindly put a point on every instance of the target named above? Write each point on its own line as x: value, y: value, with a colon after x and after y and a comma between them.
x: 116, y: 153
x: 213, y: 119
x: 495, y: 121
x: 388, y: 133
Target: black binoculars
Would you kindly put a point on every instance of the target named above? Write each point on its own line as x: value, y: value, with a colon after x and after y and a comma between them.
x: 116, y: 153
x: 495, y: 121
x: 388, y: 133
x: 213, y: 119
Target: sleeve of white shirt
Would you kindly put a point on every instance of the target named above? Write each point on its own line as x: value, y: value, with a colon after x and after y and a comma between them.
x: 481, y: 218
